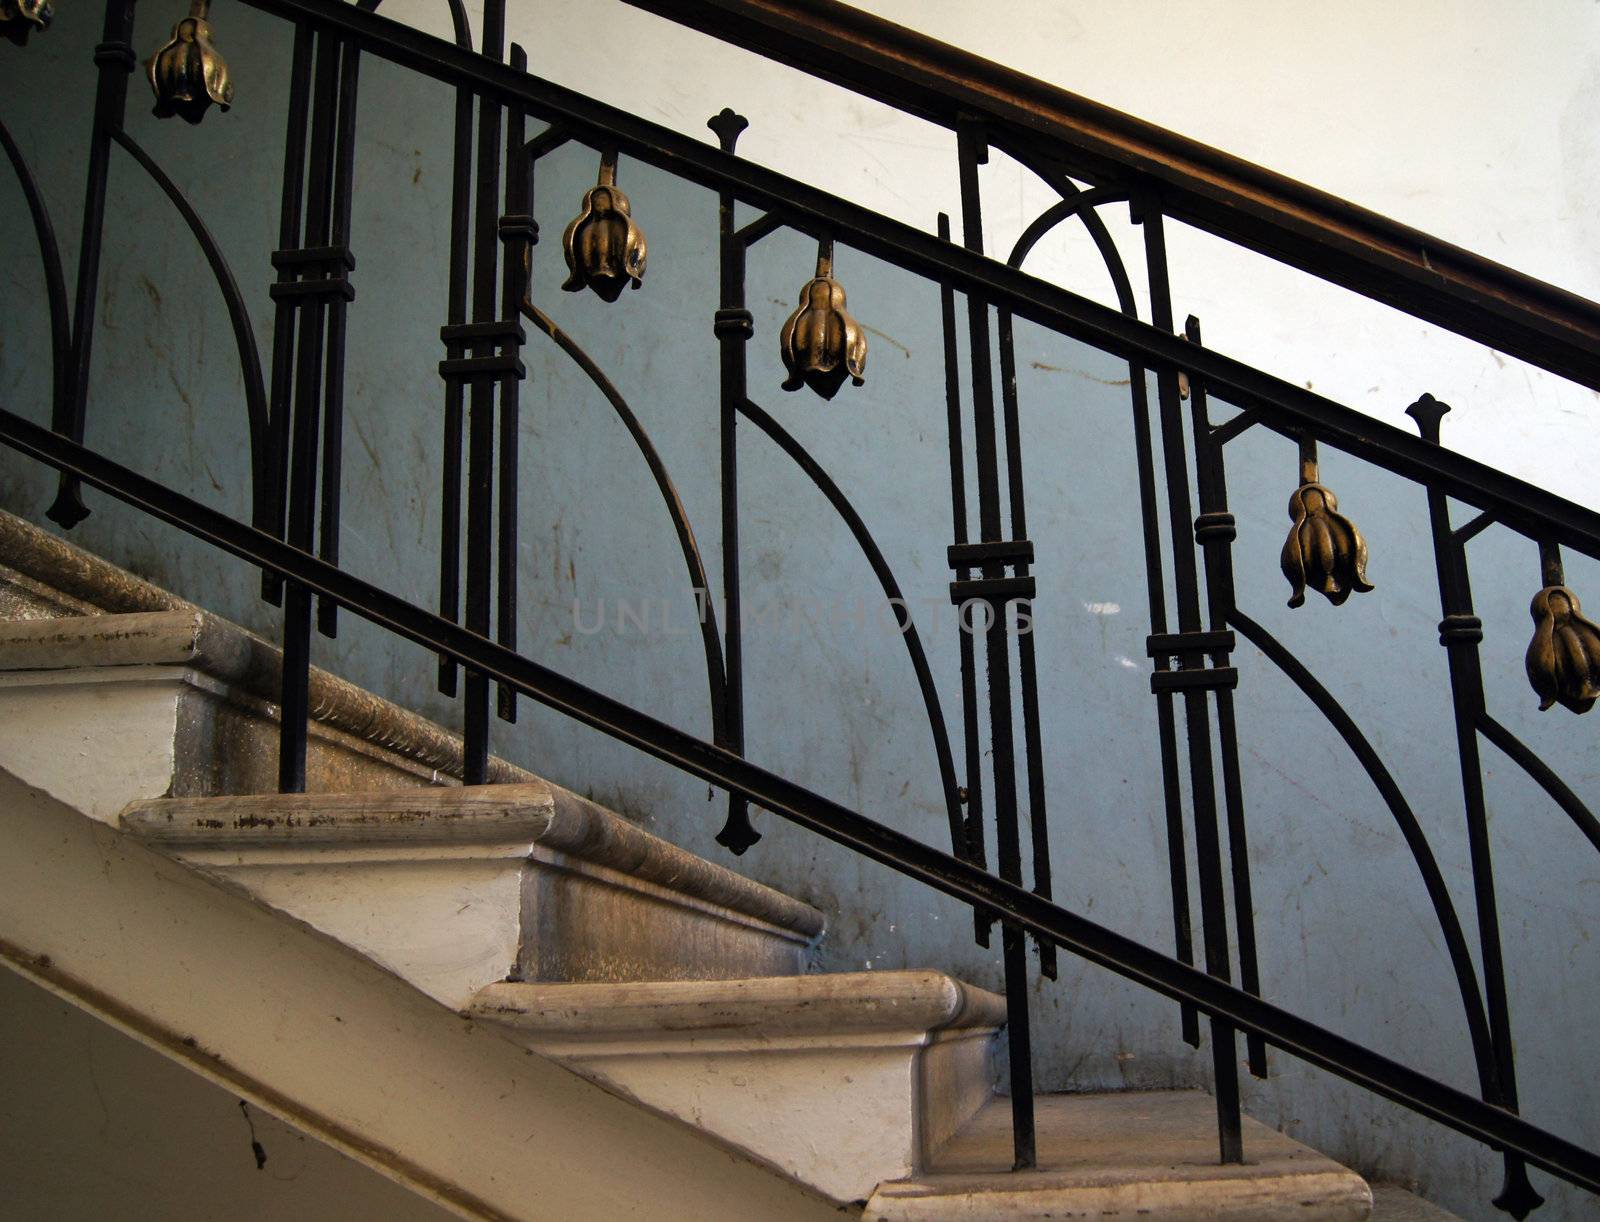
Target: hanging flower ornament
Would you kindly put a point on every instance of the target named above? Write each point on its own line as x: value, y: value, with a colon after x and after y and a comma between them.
x: 187, y: 74
x: 821, y: 345
x: 604, y: 246
x: 19, y: 18
x: 1324, y: 549
x: 1563, y: 659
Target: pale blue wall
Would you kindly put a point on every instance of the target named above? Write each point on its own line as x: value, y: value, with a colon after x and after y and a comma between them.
x: 1346, y: 933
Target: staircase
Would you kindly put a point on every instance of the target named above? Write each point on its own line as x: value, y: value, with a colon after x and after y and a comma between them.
x: 517, y: 1003
x: 426, y: 915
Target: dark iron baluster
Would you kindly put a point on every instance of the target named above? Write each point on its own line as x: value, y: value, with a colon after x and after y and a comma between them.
x: 733, y: 326
x: 1193, y: 679
x: 339, y: 264
x: 454, y: 386
x: 994, y: 592
x: 1166, y: 712
x: 518, y: 233
x: 973, y: 849
x: 280, y: 397
x: 1033, y: 748
x: 1214, y: 531
x: 1166, y: 715
x: 310, y: 296
x: 1460, y: 632
x: 116, y: 59
x: 480, y: 414
x: 55, y: 281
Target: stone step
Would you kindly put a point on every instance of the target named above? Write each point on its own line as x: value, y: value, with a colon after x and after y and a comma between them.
x: 101, y: 709
x: 1138, y: 1154
x: 839, y: 1081
x: 201, y: 691
x: 453, y: 888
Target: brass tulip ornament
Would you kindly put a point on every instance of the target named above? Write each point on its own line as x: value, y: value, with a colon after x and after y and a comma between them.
x: 1324, y: 549
x: 1563, y: 659
x: 605, y: 247
x: 19, y: 18
x: 187, y: 74
x: 821, y: 345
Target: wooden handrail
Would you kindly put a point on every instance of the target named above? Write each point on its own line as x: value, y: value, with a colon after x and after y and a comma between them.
x: 1256, y: 208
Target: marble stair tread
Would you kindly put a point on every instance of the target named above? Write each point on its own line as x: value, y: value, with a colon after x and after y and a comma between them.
x: 1144, y: 1154
x: 766, y: 1006
x: 62, y: 607
x: 525, y: 815
x: 454, y: 887
x: 249, y: 669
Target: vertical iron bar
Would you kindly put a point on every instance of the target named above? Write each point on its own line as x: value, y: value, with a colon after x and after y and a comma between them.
x: 116, y: 59
x: 294, y: 706
x: 1460, y: 632
x: 1167, y: 735
x: 1033, y: 748
x: 1197, y: 717
x: 733, y: 327
x: 1551, y: 571
x: 1214, y: 531
x: 972, y: 150
x: 1172, y: 797
x: 338, y: 309
x: 280, y: 399
x: 454, y: 390
x: 517, y: 235
x: 480, y: 419
x: 973, y: 850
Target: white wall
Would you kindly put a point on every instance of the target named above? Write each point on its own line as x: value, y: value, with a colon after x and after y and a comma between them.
x: 1472, y: 120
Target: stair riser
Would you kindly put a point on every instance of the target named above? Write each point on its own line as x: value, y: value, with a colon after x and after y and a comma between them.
x: 457, y: 888
x: 837, y: 1115
x: 101, y: 737
x: 585, y: 922
x: 451, y: 919
x: 840, y: 1082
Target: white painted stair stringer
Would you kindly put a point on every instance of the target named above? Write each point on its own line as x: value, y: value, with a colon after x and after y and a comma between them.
x: 337, y: 1046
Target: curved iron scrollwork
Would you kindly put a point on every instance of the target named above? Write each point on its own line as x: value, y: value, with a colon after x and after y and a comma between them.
x: 711, y: 637
x: 1543, y: 775
x: 891, y: 591
x: 1075, y: 202
x: 255, y: 394
x: 55, y: 283
x: 1405, y: 819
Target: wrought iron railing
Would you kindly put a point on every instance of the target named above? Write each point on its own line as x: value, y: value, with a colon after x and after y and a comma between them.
x: 1090, y: 158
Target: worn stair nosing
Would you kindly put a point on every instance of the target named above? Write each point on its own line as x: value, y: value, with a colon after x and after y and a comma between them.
x: 845, y: 1002
x: 178, y: 632
x: 1134, y: 1153
x: 530, y: 814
